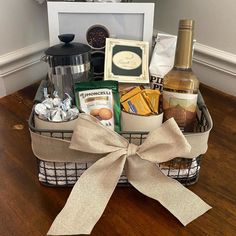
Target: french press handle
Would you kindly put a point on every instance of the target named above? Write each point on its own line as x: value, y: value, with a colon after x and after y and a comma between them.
x: 66, y: 38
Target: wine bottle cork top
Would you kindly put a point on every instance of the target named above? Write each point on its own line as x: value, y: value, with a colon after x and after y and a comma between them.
x: 186, y: 24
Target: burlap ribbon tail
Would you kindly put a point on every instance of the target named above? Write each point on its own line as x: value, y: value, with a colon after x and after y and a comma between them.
x: 94, y: 188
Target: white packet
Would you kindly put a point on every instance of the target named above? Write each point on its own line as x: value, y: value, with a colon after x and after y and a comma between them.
x: 163, y: 55
x: 163, y: 58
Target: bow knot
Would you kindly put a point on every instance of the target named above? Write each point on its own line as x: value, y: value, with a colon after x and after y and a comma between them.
x: 131, y: 149
x: 93, y: 190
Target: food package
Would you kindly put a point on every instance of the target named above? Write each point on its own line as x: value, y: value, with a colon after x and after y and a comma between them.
x: 100, y: 99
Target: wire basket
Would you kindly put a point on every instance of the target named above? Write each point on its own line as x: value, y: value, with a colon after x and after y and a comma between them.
x: 186, y: 171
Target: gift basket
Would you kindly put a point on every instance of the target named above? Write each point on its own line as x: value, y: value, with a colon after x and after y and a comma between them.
x: 186, y: 171
x: 75, y: 68
x: 105, y: 116
x: 123, y: 82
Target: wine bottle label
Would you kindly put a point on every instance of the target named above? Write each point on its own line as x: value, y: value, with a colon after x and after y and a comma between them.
x: 182, y: 107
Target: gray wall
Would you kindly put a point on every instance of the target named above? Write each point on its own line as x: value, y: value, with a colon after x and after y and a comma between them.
x: 215, y: 32
x: 22, y: 23
x: 215, y: 20
x: 24, y: 35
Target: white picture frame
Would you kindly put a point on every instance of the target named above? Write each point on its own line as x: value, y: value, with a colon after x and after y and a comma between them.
x: 132, y: 21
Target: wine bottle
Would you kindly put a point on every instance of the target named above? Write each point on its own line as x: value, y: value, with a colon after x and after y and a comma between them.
x: 180, y: 84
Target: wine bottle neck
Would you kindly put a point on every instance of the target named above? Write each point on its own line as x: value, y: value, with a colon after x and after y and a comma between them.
x: 184, y: 46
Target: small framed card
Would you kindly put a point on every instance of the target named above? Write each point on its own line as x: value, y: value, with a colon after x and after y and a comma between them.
x: 126, y: 61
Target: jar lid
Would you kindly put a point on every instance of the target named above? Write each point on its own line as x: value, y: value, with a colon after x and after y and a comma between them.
x: 67, y: 48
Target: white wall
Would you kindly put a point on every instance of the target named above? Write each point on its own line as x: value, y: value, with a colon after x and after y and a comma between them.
x: 24, y: 35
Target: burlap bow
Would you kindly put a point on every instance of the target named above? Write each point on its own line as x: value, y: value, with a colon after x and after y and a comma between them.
x: 94, y: 188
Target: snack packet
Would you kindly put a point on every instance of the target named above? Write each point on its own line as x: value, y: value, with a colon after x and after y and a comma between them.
x: 153, y: 96
x: 141, y: 101
x: 137, y: 104
x: 163, y: 55
x: 100, y: 99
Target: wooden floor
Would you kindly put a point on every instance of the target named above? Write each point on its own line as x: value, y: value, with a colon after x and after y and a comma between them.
x: 28, y: 208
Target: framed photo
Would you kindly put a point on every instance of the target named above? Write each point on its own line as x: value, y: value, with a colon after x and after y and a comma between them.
x: 132, y: 21
x: 126, y: 61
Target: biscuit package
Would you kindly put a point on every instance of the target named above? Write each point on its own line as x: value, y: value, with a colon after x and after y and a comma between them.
x: 100, y: 99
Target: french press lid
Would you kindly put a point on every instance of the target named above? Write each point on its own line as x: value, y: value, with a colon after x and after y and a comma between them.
x: 68, y: 53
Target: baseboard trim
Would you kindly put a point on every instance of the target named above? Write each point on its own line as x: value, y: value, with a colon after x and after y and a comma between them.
x: 22, y: 67
x: 210, y: 63
x: 215, y: 58
x: 21, y: 58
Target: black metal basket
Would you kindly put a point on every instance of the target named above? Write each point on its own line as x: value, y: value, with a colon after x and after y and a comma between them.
x: 186, y: 171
